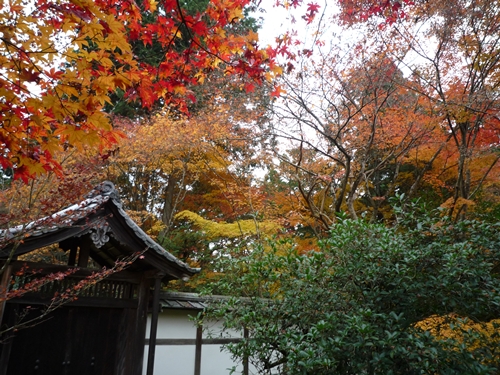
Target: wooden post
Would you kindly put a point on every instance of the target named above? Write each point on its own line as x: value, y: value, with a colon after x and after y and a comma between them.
x: 7, y: 344
x: 83, y: 255
x: 71, y: 245
x: 131, y: 340
x: 197, y: 355
x: 154, y: 325
x: 72, y: 256
x: 4, y: 288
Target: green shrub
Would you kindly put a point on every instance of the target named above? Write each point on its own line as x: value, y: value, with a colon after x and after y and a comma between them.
x: 353, y: 307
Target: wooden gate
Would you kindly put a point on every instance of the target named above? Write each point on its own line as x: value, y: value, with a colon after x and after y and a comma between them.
x: 71, y: 341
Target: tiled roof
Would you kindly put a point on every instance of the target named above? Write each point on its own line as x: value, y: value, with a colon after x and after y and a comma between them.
x: 183, y: 301
x: 101, y: 216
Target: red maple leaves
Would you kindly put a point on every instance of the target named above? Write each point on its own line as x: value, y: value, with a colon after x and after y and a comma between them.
x: 361, y: 10
x: 79, y: 53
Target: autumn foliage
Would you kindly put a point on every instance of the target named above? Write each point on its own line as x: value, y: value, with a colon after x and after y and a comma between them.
x: 336, y: 147
x: 63, y: 60
x: 389, y: 11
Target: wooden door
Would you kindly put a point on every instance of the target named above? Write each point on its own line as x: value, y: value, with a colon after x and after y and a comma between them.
x: 72, y: 341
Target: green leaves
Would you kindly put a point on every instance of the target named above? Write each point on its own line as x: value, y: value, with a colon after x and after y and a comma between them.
x: 353, y: 307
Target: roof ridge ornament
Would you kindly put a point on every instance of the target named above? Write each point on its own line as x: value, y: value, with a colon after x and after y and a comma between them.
x: 105, y: 188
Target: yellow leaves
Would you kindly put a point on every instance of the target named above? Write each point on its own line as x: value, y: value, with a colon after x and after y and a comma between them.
x: 306, y: 244
x: 118, y: 41
x: 455, y: 327
x: 7, y: 32
x: 33, y: 168
x: 42, y: 121
x: 457, y: 206
x: 178, y: 34
x: 92, y: 31
x: 99, y: 121
x: 180, y: 90
x: 67, y: 26
x: 80, y: 3
x: 103, y: 85
x: 235, y: 14
x: 277, y: 70
x: 460, y: 114
x: 241, y: 228
x: 132, y: 75
x: 216, y: 62
x: 164, y: 143
x: 197, y: 153
x: 252, y: 37
x: 221, y: 32
x: 148, y: 222
x: 152, y: 5
x: 200, y: 77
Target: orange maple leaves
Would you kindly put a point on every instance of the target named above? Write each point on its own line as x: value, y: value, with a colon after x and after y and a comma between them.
x: 62, y: 60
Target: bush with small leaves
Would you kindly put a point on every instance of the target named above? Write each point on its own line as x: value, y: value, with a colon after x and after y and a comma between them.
x: 354, y: 306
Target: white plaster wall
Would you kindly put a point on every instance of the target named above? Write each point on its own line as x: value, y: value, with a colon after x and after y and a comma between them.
x: 179, y: 359
x: 213, y: 362
x: 174, y: 324
x: 172, y: 360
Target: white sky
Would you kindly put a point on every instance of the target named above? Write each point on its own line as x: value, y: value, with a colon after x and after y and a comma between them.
x: 278, y: 20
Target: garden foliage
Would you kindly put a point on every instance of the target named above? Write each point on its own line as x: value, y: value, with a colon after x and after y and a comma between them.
x: 354, y: 307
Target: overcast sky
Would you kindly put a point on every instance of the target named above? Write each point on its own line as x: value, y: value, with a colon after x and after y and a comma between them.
x: 278, y: 20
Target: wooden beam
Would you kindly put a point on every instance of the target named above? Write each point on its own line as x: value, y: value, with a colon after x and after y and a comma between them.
x: 154, y: 325
x: 197, y: 355
x: 219, y: 341
x: 46, y: 269
x: 70, y: 244
x: 84, y: 254
x: 80, y: 301
x: 72, y: 256
x: 4, y: 287
x: 37, y: 242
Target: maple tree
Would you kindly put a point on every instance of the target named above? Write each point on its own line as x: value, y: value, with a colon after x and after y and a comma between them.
x: 21, y: 203
x: 351, y: 127
x: 450, y: 53
x: 388, y: 11
x: 172, y: 163
x: 201, y: 166
x: 62, y: 62
x: 409, y: 106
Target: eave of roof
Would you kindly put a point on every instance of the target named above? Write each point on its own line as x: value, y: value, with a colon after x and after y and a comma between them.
x: 148, y: 241
x: 182, y: 301
x: 190, y: 301
x: 70, y: 222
